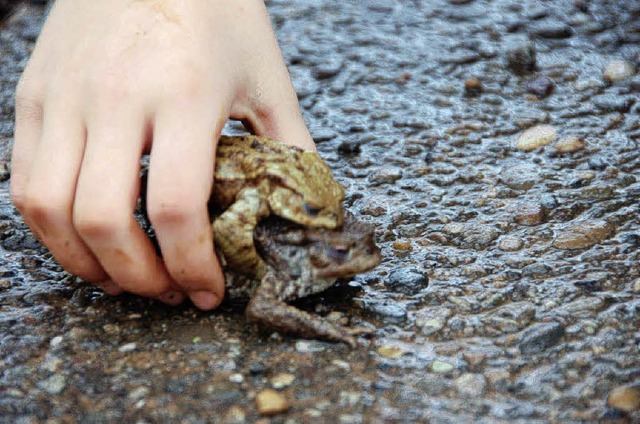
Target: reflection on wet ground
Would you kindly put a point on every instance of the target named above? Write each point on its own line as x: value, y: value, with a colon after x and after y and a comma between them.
x: 494, y: 144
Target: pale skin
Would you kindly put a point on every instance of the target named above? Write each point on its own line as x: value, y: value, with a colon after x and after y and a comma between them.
x: 110, y: 80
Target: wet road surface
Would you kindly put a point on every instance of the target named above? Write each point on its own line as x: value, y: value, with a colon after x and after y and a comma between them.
x: 494, y: 144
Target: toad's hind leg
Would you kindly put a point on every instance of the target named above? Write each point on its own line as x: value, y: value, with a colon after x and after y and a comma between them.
x: 233, y: 232
x: 267, y: 309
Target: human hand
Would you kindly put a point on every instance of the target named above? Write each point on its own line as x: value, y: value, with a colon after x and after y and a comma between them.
x: 110, y: 80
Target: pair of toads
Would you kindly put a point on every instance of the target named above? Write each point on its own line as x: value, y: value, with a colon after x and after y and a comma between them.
x: 281, y: 233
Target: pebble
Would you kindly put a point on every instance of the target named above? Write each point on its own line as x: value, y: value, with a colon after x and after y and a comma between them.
x: 282, y: 380
x: 310, y: 346
x: 407, y: 280
x: 53, y: 385
x: 138, y: 393
x: 454, y: 228
x: 535, y: 137
x: 471, y: 385
x: 552, y: 29
x: 52, y: 363
x: 4, y: 172
x: 472, y: 87
x: 236, y: 378
x: 373, y: 206
x: 235, y: 415
x: 350, y: 398
x: 636, y: 286
x: 570, y: 144
x: 55, y: 341
x: 271, y: 402
x: 129, y: 347
x: 540, y: 337
x: 479, y: 236
x: 541, y: 87
x: 349, y: 148
x: 582, y: 179
x: 431, y: 325
x: 583, y: 234
x: 529, y: 213
x: 520, y: 54
x: 403, y: 245
x: 613, y: 102
x: 343, y: 365
x: 519, y: 176
x: 441, y: 367
x: 329, y: 69
x: 618, y: 70
x: 324, y: 134
x: 387, y: 310
x: 390, y: 351
x: 385, y: 175
x: 510, y: 244
x: 625, y: 398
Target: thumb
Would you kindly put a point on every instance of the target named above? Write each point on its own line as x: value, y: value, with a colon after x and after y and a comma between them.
x: 277, y: 116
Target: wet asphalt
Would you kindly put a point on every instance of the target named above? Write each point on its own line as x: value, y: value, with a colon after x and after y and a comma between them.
x: 495, y: 147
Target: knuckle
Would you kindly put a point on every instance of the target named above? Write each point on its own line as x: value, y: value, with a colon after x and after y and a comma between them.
x: 185, y: 85
x: 108, y: 90
x: 42, y: 207
x: 18, y: 195
x: 109, y: 86
x: 171, y: 212
x: 97, y: 222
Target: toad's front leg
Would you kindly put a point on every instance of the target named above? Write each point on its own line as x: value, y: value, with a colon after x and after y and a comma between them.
x: 267, y: 309
x: 233, y: 232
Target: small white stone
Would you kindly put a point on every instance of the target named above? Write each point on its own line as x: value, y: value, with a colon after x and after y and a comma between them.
x: 313, y: 413
x: 14, y: 393
x: 236, y: 378
x: 618, y: 70
x: 535, y: 137
x: 432, y: 324
x: 510, y: 244
x: 138, y: 393
x: 471, y: 385
x: 441, y: 367
x: 350, y: 399
x: 309, y: 346
x: 341, y: 364
x: 54, y: 342
x: 282, y: 380
x: 453, y: 228
x: 128, y: 347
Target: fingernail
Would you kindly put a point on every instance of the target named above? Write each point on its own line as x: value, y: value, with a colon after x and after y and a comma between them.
x: 204, y: 300
x: 172, y: 298
x: 109, y: 287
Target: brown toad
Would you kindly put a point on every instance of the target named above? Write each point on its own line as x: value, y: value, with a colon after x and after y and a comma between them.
x: 300, y: 261
x: 256, y: 177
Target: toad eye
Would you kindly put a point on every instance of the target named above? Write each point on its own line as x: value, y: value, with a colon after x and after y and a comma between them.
x: 311, y: 210
x: 338, y: 253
